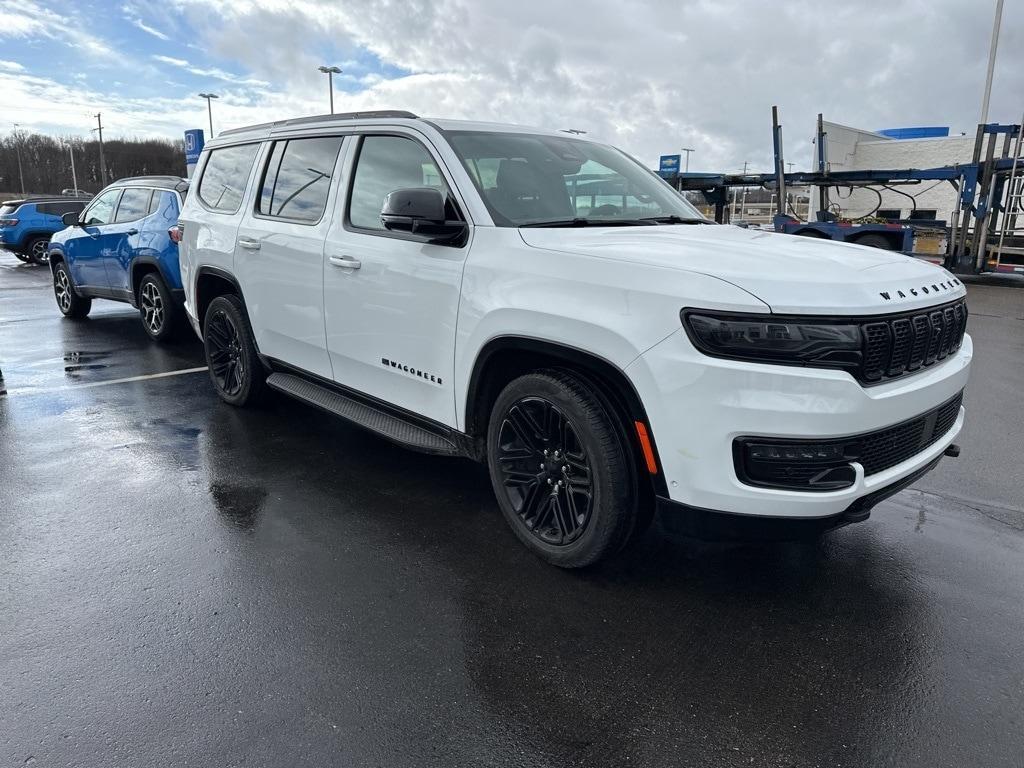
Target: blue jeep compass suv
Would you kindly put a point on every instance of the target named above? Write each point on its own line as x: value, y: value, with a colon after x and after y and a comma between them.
x: 27, y: 224
x: 124, y: 247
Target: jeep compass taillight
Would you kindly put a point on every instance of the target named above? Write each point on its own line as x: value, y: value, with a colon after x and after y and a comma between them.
x: 8, y: 222
x: 175, y: 233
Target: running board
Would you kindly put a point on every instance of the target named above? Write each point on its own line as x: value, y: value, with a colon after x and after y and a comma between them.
x: 368, y: 417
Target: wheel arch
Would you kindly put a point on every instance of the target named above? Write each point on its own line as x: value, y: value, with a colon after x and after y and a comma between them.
x: 142, y: 266
x: 504, y: 358
x: 211, y: 282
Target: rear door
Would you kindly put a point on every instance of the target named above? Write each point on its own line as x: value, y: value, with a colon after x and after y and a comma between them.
x: 84, y: 249
x: 124, y: 233
x: 279, y: 250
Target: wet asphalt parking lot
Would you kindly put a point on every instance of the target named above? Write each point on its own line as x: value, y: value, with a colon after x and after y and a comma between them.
x: 183, y: 583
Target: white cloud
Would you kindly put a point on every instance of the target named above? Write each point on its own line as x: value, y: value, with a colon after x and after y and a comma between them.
x: 217, y: 74
x: 11, y: 66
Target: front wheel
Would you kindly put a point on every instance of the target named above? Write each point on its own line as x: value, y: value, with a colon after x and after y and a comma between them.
x: 69, y: 303
x: 560, y: 469
x: 235, y: 367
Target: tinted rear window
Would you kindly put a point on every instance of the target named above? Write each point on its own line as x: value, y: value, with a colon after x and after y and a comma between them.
x: 224, y: 177
x: 60, y: 208
x: 298, y: 178
x: 134, y: 205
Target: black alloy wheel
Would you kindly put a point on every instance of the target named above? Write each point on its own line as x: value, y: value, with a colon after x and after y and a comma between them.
x: 237, y: 373
x: 545, y: 471
x: 562, y: 469
x: 223, y: 346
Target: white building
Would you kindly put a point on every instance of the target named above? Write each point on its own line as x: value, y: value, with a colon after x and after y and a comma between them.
x: 854, y: 149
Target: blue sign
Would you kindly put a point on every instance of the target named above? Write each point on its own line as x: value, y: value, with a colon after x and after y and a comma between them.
x: 669, y: 164
x: 194, y: 143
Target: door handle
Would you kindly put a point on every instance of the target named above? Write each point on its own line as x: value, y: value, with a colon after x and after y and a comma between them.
x: 249, y: 243
x: 132, y: 231
x: 345, y: 262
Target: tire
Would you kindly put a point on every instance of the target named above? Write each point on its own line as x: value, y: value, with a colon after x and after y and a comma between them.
x: 159, y: 314
x: 235, y: 368
x: 69, y: 303
x: 560, y: 469
x: 876, y: 241
x: 38, y: 250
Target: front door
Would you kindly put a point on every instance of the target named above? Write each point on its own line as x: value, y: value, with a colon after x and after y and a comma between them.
x: 279, y: 250
x: 85, y: 250
x: 391, y: 300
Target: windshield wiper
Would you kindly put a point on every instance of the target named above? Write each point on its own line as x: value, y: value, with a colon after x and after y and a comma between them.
x: 583, y: 222
x: 673, y: 219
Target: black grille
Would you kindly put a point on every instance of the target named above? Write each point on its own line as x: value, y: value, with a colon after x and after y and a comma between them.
x: 812, y: 464
x: 900, y: 344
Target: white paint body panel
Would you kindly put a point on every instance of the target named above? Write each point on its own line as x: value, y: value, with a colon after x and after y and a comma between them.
x: 614, y: 293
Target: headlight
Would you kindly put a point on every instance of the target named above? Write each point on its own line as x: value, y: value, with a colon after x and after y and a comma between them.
x: 774, y: 338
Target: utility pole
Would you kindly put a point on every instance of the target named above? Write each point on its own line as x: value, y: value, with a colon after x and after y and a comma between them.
x: 209, y: 109
x: 103, y: 162
x: 687, y: 150
x: 330, y: 72
x: 17, y: 149
x: 991, y: 61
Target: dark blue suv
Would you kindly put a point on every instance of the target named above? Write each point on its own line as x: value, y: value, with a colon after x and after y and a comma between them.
x: 27, y: 224
x: 124, y: 247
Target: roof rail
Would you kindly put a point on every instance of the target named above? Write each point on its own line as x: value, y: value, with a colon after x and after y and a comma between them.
x: 371, y: 115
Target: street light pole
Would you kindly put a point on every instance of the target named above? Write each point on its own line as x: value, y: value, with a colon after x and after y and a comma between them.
x: 74, y: 176
x: 991, y: 60
x: 687, y: 150
x: 209, y: 109
x: 330, y: 72
x: 17, y: 150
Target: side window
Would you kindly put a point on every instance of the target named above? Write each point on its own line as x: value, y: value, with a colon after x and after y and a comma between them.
x: 298, y: 178
x: 101, y: 211
x: 387, y: 163
x: 224, y: 177
x: 133, y: 206
x: 165, y: 203
x: 47, y: 209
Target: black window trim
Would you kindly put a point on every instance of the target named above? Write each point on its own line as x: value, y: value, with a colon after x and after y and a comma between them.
x: 201, y: 173
x: 357, y: 150
x: 258, y: 190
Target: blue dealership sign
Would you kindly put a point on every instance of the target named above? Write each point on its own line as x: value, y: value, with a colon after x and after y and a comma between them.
x: 669, y: 164
x: 193, y: 145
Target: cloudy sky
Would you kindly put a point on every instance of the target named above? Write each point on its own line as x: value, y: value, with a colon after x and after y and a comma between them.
x: 650, y: 76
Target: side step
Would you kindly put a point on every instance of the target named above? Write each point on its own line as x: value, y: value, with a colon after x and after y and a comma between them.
x: 374, y: 419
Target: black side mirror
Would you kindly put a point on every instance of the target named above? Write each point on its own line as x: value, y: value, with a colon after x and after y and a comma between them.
x: 420, y: 211
x: 70, y: 219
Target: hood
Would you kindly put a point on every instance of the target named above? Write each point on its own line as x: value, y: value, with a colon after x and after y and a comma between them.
x: 791, y: 274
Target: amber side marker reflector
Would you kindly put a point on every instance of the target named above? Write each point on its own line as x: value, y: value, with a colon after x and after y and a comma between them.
x: 645, y: 445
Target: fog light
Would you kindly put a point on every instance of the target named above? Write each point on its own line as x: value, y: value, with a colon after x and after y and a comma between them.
x: 796, y: 465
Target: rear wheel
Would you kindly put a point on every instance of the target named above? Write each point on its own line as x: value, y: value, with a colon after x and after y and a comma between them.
x: 38, y: 250
x: 560, y: 469
x: 156, y: 308
x: 69, y: 303
x: 235, y: 367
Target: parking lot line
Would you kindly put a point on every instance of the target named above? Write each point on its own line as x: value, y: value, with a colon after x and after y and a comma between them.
x: 126, y: 380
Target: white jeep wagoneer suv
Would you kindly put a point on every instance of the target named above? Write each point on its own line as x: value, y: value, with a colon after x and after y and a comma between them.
x: 545, y: 304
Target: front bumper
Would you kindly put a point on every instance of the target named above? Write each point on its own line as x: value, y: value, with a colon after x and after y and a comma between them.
x: 698, y: 406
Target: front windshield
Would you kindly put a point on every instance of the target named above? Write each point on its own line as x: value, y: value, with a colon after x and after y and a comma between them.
x: 533, y: 180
